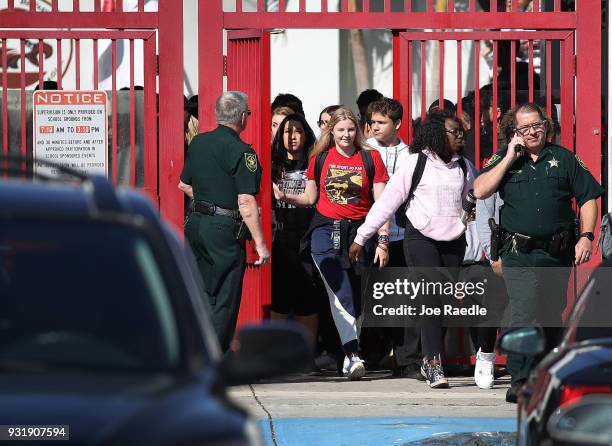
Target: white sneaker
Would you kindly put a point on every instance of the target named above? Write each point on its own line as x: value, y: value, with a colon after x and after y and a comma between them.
x: 353, y: 367
x: 483, y: 372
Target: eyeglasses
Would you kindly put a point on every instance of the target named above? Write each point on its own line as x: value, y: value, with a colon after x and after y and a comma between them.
x: 455, y: 132
x: 248, y: 112
x: 525, y: 130
x: 322, y: 123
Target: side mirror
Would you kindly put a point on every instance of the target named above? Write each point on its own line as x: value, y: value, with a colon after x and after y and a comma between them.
x: 265, y: 351
x: 527, y: 341
x: 585, y: 422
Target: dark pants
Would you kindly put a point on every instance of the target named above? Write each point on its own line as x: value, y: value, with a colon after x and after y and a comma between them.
x: 221, y: 261
x: 537, y: 288
x: 421, y: 251
x: 343, y: 287
x: 495, y: 300
x: 405, y: 340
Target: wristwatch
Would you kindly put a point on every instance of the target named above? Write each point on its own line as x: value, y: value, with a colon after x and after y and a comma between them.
x: 588, y: 235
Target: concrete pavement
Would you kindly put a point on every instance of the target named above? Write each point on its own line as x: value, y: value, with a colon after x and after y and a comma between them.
x: 377, y: 395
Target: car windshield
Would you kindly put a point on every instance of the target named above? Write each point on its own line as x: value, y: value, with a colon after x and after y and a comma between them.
x: 593, y: 321
x: 83, y: 295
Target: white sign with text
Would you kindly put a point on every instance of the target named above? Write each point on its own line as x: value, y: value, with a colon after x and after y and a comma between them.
x: 70, y: 129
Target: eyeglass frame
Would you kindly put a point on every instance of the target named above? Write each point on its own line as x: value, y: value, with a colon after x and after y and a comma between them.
x: 526, y: 129
x: 455, y: 132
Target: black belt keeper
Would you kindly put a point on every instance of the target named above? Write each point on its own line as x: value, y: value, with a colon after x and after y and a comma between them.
x: 207, y: 208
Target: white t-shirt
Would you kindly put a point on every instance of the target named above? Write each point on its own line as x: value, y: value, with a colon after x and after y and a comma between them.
x: 392, y: 157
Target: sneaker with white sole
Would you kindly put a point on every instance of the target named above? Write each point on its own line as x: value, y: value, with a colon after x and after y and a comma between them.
x: 434, y: 374
x: 483, y: 372
x: 353, y: 367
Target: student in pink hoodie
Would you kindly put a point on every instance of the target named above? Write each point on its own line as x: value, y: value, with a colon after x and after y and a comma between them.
x: 434, y: 234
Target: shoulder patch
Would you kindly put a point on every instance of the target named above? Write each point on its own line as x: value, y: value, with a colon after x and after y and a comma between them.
x: 250, y: 160
x: 581, y: 163
x: 492, y: 160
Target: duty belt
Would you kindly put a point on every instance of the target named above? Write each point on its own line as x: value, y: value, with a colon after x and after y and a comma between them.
x: 525, y: 243
x: 207, y: 208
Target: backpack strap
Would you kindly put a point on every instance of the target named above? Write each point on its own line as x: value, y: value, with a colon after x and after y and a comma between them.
x: 417, y: 175
x: 368, y: 164
x: 319, y: 161
x: 463, y: 166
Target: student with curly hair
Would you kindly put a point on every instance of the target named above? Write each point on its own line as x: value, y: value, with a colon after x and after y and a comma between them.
x: 434, y: 234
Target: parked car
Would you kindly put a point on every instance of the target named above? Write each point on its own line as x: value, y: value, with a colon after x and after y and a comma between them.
x: 104, y: 327
x: 586, y: 421
x: 581, y: 365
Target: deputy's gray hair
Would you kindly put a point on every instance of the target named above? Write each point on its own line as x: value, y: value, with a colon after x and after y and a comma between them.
x: 230, y: 106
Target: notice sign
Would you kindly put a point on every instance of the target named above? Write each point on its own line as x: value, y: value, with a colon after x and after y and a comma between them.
x: 70, y: 129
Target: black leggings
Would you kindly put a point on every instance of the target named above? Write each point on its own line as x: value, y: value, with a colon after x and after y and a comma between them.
x: 421, y: 251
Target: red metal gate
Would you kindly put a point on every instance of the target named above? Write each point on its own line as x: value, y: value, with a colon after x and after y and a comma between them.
x: 21, y: 140
x: 547, y: 22
x: 404, y: 86
x: 32, y: 52
x: 248, y: 70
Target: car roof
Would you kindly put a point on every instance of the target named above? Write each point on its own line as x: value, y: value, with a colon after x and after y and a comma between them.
x: 87, y: 199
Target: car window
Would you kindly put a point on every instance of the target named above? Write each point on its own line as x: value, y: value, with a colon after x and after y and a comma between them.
x: 592, y: 318
x: 83, y: 295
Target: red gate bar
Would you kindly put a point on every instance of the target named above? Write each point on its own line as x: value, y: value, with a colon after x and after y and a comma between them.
x: 567, y: 94
x: 530, y: 72
x: 23, y: 108
x: 150, y: 118
x: 397, y: 20
x: 423, y: 80
x: 114, y: 108
x: 5, y: 146
x: 41, y: 63
x: 477, y: 103
x: 77, y: 50
x: 441, y: 74
x: 59, y: 63
x: 132, y: 119
x: 513, y: 73
x: 95, y: 63
x: 549, y: 77
x: 459, y: 81
x: 494, y: 100
x: 451, y: 5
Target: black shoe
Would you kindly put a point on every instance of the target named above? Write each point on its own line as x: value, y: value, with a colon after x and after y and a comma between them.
x: 512, y: 393
x: 412, y: 371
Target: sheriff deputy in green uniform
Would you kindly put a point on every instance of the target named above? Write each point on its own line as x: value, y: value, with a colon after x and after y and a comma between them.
x: 537, y: 181
x: 223, y: 175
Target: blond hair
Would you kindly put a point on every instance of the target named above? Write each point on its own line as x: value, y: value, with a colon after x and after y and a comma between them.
x: 326, y: 140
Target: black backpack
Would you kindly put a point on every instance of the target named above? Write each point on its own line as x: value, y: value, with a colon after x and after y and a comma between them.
x: 400, y: 214
x: 366, y: 159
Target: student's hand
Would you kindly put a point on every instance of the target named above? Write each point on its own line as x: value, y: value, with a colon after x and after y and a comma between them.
x: 278, y: 194
x: 355, y: 251
x: 381, y: 256
x: 497, y: 267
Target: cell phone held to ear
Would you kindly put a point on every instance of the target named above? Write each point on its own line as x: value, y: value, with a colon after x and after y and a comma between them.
x: 519, y: 149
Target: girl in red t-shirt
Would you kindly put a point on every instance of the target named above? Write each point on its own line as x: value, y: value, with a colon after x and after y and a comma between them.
x: 342, y: 197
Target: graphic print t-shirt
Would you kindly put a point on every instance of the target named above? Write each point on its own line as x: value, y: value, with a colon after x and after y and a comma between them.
x: 294, y: 182
x: 344, y: 191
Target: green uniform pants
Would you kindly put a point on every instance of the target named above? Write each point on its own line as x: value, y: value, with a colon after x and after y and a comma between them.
x: 537, y: 289
x: 221, y: 261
